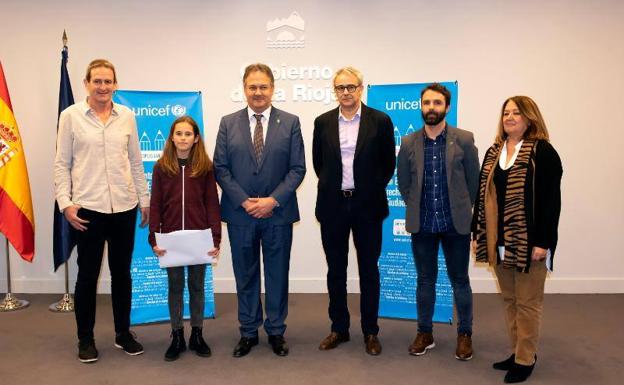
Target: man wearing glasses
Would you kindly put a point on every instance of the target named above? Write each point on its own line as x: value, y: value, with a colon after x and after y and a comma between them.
x: 259, y: 163
x: 354, y: 157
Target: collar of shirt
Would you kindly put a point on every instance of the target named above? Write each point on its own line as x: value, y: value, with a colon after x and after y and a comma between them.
x: 87, y: 110
x: 265, y: 115
x: 441, y: 136
x: 503, y: 155
x: 356, y: 116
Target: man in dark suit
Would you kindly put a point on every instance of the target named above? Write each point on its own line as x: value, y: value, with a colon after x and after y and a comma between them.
x: 438, y: 177
x: 259, y: 163
x: 354, y: 158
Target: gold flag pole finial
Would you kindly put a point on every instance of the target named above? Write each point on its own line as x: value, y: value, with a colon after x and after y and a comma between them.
x: 64, y: 39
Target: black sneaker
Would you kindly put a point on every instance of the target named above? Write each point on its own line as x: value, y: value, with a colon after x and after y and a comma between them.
x: 87, y: 352
x: 127, y: 342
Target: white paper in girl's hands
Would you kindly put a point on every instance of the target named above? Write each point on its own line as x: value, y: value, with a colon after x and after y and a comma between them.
x: 185, y: 247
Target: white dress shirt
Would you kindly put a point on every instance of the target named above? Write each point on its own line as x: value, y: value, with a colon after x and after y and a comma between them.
x: 266, y: 114
x: 98, y: 166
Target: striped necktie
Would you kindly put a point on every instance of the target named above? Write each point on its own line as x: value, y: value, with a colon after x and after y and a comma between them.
x: 258, y: 142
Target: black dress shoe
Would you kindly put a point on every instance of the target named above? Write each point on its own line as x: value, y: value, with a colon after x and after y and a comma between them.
x: 519, y: 373
x: 244, y: 346
x: 279, y: 345
x: 505, y: 364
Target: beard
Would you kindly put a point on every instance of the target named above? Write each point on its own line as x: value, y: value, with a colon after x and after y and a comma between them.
x: 433, y: 118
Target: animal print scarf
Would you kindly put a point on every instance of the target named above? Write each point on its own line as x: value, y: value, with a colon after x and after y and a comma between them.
x: 515, y: 224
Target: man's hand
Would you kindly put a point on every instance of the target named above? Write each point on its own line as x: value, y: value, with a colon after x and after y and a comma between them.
x: 261, y: 207
x: 71, y: 214
x: 144, y: 216
x: 247, y: 203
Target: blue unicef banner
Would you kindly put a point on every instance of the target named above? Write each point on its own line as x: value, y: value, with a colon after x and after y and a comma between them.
x: 155, y: 111
x: 396, y: 264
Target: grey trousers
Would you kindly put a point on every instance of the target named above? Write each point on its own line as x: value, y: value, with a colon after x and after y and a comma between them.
x: 196, y: 274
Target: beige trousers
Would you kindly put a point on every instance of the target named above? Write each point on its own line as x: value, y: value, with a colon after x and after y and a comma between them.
x: 523, y: 294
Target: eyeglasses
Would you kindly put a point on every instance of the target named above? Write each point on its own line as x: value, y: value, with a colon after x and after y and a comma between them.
x: 349, y: 87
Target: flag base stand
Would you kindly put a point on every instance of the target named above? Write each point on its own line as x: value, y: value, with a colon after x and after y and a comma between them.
x: 11, y: 303
x: 65, y: 305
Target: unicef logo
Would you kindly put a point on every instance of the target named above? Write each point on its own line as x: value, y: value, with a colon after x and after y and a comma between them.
x: 178, y: 110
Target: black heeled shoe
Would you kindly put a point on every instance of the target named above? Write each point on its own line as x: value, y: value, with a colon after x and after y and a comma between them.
x: 519, y: 373
x: 505, y: 364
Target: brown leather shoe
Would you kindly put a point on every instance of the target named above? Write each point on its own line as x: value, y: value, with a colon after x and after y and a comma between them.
x: 333, y: 340
x: 422, y: 343
x: 373, y: 346
x: 464, y: 347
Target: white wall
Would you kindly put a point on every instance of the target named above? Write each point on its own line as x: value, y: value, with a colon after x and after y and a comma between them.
x: 567, y: 55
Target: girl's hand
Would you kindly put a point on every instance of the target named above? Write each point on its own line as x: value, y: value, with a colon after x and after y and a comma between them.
x: 159, y: 252
x: 538, y: 254
x: 214, y: 253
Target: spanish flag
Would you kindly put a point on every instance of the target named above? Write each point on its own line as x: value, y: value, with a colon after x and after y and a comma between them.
x: 17, y: 221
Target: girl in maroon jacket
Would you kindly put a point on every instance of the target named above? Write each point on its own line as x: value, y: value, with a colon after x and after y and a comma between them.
x: 184, y: 197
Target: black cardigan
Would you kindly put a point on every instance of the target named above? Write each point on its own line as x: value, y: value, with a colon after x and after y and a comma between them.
x: 544, y: 208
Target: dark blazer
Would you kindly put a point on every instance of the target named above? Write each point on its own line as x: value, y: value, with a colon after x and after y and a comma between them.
x: 373, y: 164
x: 279, y: 173
x: 462, y: 174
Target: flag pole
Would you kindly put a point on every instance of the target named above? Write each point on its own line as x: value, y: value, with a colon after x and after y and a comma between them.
x: 10, y: 303
x: 65, y: 304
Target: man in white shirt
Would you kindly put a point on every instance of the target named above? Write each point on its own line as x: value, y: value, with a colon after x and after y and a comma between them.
x: 99, y: 180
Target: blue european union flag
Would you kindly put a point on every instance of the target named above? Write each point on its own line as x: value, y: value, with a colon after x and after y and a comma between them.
x: 63, y: 239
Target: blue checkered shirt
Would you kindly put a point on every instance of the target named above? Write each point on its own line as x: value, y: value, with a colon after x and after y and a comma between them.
x: 435, y: 207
